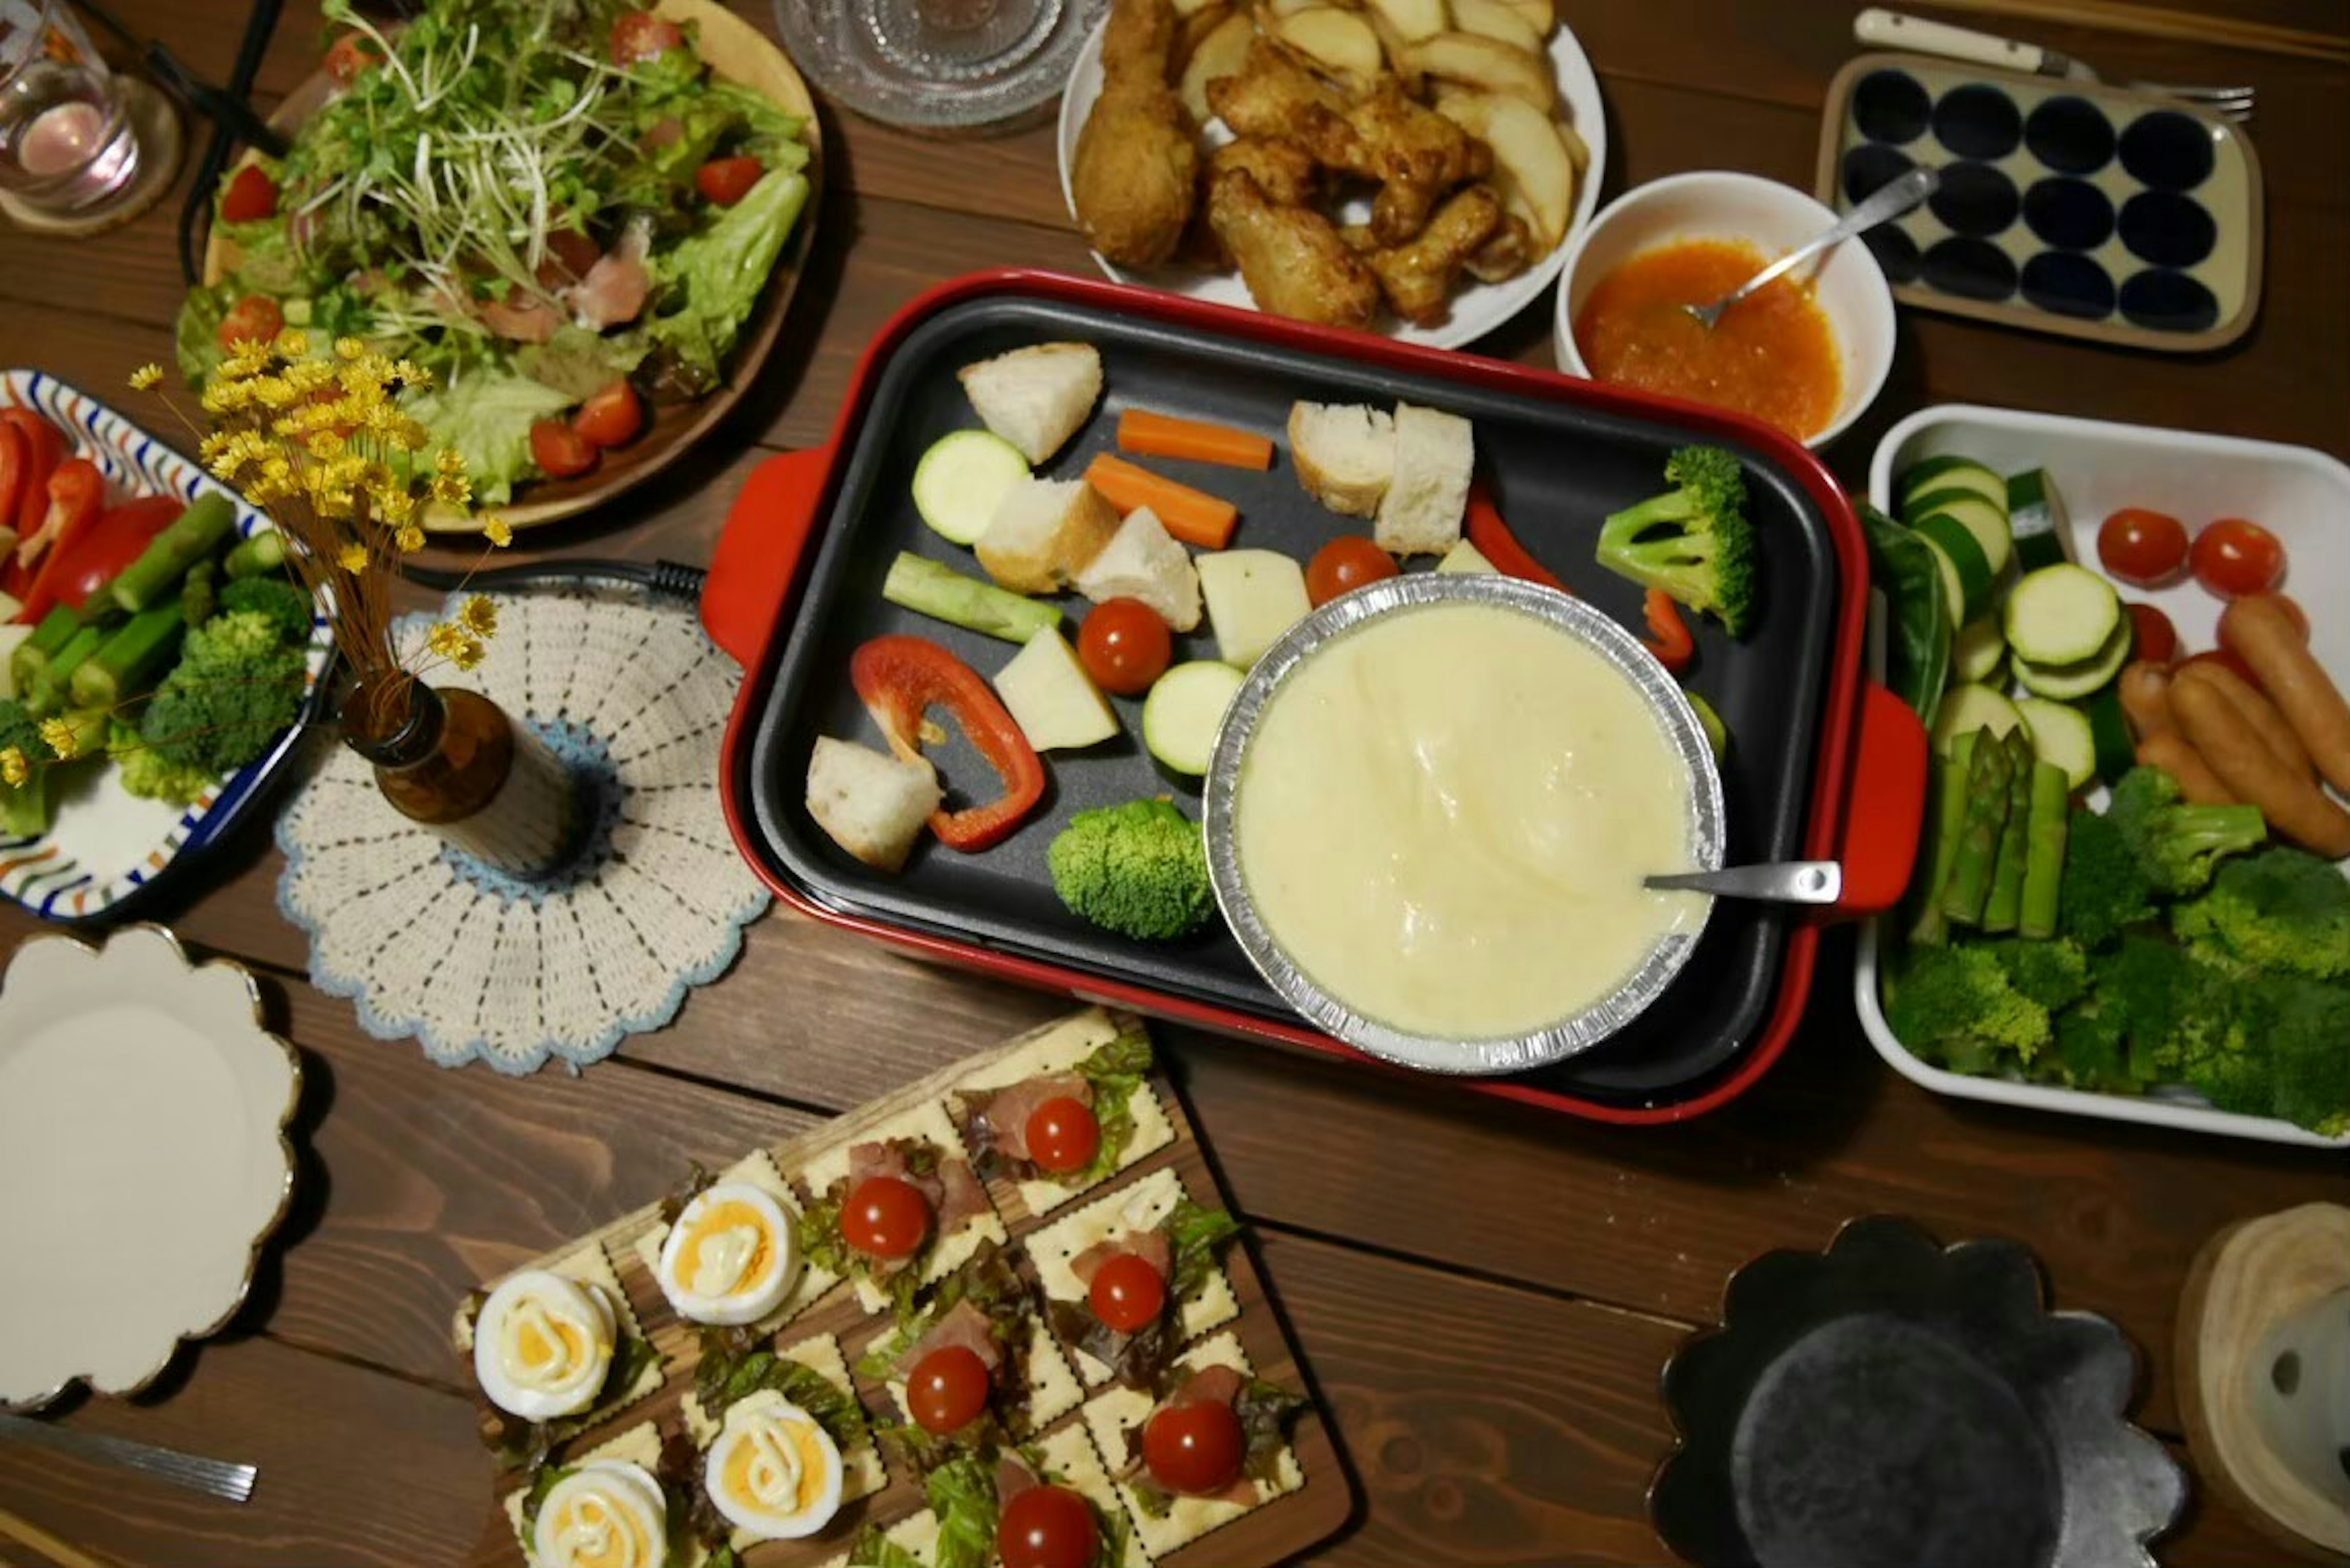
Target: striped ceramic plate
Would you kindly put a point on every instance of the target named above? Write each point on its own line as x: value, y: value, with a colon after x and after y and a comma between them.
x: 106, y: 846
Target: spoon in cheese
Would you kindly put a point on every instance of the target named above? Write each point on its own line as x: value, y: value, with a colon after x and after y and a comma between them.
x: 1785, y: 882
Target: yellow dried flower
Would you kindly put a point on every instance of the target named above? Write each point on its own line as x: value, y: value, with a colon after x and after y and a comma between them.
x: 13, y: 769
x: 496, y: 529
x: 293, y: 344
x: 449, y: 460
x: 452, y: 489
x: 413, y: 377
x: 58, y: 737
x: 349, y: 347
x: 146, y: 377
x: 480, y: 616
x: 352, y: 558
x: 409, y: 539
x: 324, y: 445
x: 452, y: 642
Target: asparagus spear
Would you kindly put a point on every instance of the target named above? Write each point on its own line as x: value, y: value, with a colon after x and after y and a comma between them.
x: 199, y: 531
x: 199, y: 593
x: 2006, y: 894
x: 1947, y: 816
x: 1989, y: 774
x: 131, y: 660
x: 257, y: 556
x: 33, y: 654
x: 2043, y: 864
x: 53, y: 683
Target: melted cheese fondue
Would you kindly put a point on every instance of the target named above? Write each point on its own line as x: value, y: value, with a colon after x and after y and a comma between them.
x: 1443, y: 819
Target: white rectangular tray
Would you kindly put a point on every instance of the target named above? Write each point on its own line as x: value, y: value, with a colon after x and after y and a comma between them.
x: 2302, y: 497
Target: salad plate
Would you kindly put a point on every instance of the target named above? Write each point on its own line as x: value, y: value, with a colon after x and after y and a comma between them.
x: 143, y: 1157
x: 737, y: 55
x: 106, y: 849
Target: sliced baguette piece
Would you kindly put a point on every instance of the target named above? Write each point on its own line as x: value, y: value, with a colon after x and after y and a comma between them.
x: 1035, y: 398
x: 1420, y: 514
x: 1044, y: 531
x: 1142, y: 561
x: 1344, y: 454
x: 872, y: 803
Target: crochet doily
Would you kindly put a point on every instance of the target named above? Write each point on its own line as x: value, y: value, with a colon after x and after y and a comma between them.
x: 435, y: 945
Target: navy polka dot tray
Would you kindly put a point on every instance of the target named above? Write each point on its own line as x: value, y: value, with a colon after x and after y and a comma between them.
x: 2065, y: 206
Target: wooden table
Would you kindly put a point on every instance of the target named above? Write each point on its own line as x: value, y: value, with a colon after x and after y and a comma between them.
x: 1484, y: 1297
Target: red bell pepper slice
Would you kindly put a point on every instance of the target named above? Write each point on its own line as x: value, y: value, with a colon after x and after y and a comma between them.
x: 120, y: 537
x: 45, y: 448
x: 1493, y: 539
x: 77, y: 491
x: 1669, y: 634
x: 15, y: 457
x: 898, y: 679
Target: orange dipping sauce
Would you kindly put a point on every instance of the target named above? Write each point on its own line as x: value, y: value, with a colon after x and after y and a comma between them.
x: 1772, y: 355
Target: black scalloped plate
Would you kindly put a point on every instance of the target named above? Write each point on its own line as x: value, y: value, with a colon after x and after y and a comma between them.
x: 1891, y: 1402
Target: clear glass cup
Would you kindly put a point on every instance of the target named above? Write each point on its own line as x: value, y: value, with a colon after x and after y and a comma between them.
x: 939, y: 66
x: 66, y: 142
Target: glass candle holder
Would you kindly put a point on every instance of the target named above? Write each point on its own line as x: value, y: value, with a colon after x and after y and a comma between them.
x: 66, y: 139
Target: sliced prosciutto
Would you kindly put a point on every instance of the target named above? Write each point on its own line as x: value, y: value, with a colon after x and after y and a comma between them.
x: 519, y: 319
x: 1151, y: 1246
x: 964, y: 1324
x: 949, y: 1186
x: 616, y: 286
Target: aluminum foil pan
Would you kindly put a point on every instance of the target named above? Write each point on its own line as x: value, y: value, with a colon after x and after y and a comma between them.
x: 1403, y: 595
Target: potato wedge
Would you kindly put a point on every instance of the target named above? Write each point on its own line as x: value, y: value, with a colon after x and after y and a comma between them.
x: 1412, y: 20
x: 1221, y: 54
x: 1576, y: 148
x: 1492, y: 19
x: 1290, y: 8
x: 1187, y: 9
x: 1487, y: 64
x: 1339, y: 43
x: 1532, y: 168
x: 1541, y: 16
x: 1192, y: 30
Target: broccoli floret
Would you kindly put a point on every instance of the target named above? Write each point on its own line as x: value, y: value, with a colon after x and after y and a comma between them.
x: 2055, y: 974
x: 1955, y: 1005
x: 2281, y: 910
x: 2174, y: 1011
x: 2088, y: 1054
x: 2103, y: 889
x: 2179, y: 844
x: 275, y: 600
x: 145, y: 773
x: 24, y: 807
x: 1693, y: 541
x: 2303, y: 1030
x: 1139, y: 869
x: 235, y: 686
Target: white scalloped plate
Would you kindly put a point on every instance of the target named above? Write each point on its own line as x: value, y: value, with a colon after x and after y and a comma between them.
x: 143, y: 1157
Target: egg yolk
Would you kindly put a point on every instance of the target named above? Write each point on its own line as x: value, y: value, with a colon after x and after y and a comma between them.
x: 779, y: 1465
x: 594, y: 1533
x: 544, y: 1344
x: 726, y: 1249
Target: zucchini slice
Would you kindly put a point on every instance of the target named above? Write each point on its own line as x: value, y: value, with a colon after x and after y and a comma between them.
x: 1949, y: 471
x: 2109, y: 729
x: 1979, y: 648
x: 1966, y: 709
x: 1967, y: 571
x: 2036, y: 517
x: 2061, y: 615
x: 2070, y: 682
x: 960, y: 480
x: 1979, y: 517
x: 1184, y: 710
x: 2060, y: 735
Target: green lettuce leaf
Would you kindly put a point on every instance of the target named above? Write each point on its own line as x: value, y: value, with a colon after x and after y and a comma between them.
x: 875, y: 1550
x: 486, y: 415
x: 196, y: 338
x: 961, y: 1492
x: 712, y: 280
x: 1197, y: 1234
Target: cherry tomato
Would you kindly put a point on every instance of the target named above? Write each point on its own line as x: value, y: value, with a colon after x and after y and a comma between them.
x: 1127, y: 1293
x: 1194, y: 1448
x: 255, y: 315
x: 2234, y: 556
x: 612, y: 417
x: 639, y: 35
x: 560, y: 450
x: 1047, y: 1527
x: 2225, y: 660
x: 2154, y: 639
x: 948, y: 1389
x: 351, y: 56
x: 1063, y: 1134
x: 251, y: 196
x: 2145, y: 549
x: 726, y: 180
x: 1343, y: 565
x: 885, y: 1217
x: 1124, y: 646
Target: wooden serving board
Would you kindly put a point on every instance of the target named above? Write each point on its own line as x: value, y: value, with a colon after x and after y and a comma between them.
x: 1271, y: 1532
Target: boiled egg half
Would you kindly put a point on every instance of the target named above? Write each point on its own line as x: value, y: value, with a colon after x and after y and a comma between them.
x: 608, y: 1513
x: 731, y: 1257
x: 773, y: 1471
x: 543, y: 1344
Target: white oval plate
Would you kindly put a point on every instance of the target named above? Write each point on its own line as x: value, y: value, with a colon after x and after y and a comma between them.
x: 143, y: 1157
x: 1477, y: 308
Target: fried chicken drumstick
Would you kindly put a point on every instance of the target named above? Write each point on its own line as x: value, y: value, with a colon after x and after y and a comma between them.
x: 1134, y: 178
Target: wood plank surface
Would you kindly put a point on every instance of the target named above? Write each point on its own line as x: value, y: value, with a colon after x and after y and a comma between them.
x: 1481, y: 1296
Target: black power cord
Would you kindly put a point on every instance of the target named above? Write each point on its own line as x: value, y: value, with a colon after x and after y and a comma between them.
x: 671, y: 580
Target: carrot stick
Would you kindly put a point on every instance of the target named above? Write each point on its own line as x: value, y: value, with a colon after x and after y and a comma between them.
x: 1196, y: 440
x: 1191, y: 515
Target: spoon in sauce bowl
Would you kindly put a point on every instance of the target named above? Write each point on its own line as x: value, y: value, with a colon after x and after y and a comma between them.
x: 1887, y: 204
x: 1785, y: 882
